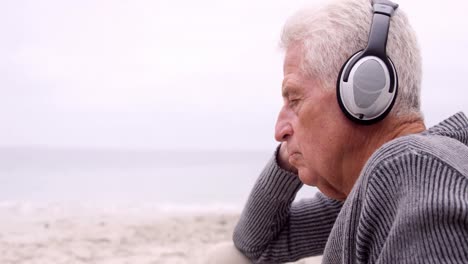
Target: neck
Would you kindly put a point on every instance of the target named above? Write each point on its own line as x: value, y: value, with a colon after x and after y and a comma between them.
x: 372, y: 138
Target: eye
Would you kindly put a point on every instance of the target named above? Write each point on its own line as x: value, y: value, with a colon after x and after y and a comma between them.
x: 293, y: 102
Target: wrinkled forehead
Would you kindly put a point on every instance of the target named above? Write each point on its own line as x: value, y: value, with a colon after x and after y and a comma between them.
x: 292, y: 59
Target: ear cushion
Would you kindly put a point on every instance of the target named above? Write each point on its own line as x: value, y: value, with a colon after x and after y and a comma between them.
x: 366, y: 96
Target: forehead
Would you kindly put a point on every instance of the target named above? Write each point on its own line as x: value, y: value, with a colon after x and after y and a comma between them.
x: 292, y: 60
x: 294, y: 81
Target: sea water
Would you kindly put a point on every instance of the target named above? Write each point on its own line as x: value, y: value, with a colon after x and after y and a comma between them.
x: 165, y: 179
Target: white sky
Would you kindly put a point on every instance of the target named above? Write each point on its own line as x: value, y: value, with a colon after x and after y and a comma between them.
x: 177, y: 73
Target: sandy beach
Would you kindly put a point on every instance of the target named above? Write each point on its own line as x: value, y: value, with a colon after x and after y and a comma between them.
x: 97, y: 237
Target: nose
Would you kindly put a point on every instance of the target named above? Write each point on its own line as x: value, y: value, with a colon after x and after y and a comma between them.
x: 283, y: 128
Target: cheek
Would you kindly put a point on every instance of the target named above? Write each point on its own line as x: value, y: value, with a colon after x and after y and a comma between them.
x: 314, y: 132
x: 313, y: 118
x: 315, y: 129
x: 316, y: 138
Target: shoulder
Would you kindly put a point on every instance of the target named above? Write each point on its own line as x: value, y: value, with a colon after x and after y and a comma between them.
x: 420, y: 150
x: 415, y: 165
x: 413, y: 192
x: 412, y: 171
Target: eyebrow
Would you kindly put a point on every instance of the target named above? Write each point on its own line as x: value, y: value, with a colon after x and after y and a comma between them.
x: 287, y: 90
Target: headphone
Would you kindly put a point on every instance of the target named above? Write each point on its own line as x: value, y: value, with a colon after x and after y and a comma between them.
x: 367, y: 85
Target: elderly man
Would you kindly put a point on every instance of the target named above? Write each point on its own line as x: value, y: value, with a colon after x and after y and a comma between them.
x: 391, y: 191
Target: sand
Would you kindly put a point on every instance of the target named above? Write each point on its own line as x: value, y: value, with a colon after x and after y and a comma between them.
x: 115, y: 238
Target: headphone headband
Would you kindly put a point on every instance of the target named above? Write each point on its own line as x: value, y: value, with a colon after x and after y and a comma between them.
x: 377, y: 43
x: 384, y: 6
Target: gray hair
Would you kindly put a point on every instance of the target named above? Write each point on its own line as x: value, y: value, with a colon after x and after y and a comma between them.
x: 330, y: 34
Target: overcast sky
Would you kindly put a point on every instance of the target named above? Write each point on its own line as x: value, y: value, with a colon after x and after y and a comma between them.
x: 177, y: 73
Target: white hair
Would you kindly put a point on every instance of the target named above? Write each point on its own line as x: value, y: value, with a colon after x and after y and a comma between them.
x: 330, y: 34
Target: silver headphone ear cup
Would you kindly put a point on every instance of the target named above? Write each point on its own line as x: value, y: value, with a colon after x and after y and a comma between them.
x: 367, y: 85
x: 366, y: 96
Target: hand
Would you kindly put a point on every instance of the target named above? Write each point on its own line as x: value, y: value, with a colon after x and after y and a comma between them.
x: 283, y: 157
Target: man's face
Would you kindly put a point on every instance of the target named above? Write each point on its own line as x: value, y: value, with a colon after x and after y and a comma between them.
x: 312, y: 127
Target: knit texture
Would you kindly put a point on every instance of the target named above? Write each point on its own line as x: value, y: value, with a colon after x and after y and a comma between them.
x: 409, y: 205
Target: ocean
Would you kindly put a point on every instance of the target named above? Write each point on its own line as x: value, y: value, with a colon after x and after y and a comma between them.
x: 171, y: 180
x: 121, y: 206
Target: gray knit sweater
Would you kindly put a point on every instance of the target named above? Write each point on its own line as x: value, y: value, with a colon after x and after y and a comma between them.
x: 409, y: 205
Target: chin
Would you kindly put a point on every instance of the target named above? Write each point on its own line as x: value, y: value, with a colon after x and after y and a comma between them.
x: 307, y: 178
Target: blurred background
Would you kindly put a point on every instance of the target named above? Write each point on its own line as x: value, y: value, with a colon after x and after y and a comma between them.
x: 166, y: 103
